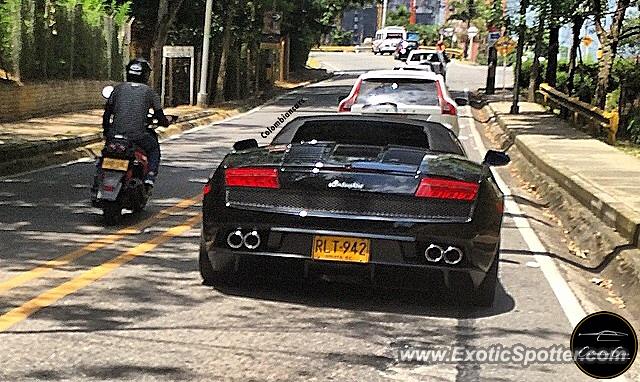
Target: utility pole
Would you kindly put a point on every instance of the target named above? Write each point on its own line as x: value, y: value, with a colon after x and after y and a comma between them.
x: 522, y: 30
x: 384, y: 12
x: 204, y: 67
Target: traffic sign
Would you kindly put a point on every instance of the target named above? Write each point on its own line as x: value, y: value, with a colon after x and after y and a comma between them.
x: 505, y: 45
x: 492, y: 37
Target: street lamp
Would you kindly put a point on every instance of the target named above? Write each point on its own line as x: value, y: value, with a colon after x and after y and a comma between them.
x: 204, y: 67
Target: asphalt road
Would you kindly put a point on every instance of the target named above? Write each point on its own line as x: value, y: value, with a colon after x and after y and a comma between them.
x: 83, y: 302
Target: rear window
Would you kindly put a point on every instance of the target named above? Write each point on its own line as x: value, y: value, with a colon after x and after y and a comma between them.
x: 394, y: 35
x: 399, y: 91
x: 367, y: 133
x: 430, y: 57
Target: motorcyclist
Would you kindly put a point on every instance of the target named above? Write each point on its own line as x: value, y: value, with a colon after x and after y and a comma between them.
x: 129, y: 105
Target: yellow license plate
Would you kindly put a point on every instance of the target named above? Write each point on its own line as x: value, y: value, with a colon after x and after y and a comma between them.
x: 115, y: 164
x: 338, y: 248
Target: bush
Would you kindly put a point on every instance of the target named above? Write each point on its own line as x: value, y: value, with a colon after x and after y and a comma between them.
x: 64, y: 39
x: 341, y: 37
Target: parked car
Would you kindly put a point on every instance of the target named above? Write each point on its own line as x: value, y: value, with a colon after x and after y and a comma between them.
x: 365, y: 195
x: 387, y: 39
x: 403, y: 92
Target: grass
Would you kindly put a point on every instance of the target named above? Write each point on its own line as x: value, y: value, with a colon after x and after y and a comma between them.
x: 628, y: 148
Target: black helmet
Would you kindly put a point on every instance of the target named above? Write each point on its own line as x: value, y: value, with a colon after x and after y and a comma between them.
x: 138, y: 70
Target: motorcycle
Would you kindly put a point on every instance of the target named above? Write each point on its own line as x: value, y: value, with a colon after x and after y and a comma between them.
x: 121, y: 170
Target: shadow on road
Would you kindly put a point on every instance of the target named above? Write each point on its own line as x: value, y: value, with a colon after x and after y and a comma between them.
x: 386, y: 297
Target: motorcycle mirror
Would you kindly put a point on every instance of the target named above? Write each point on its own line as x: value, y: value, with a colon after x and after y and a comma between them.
x: 106, y: 91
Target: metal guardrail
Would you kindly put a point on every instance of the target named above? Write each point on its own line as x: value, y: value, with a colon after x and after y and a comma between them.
x: 581, y: 114
x: 334, y: 48
x: 453, y: 52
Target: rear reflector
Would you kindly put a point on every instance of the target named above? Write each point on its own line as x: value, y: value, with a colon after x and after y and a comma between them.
x: 258, y: 177
x: 447, y: 189
x: 206, y: 189
x: 345, y: 104
x: 446, y: 107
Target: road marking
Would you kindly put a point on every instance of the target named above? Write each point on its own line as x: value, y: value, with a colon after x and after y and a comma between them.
x: 93, y: 246
x: 572, y: 308
x: 53, y: 295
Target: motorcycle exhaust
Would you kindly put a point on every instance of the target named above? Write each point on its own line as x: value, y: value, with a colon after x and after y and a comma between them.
x: 235, y: 239
x: 433, y: 253
x: 452, y: 255
x: 252, y: 240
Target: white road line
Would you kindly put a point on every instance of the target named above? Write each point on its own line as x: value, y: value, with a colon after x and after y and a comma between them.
x: 568, y: 301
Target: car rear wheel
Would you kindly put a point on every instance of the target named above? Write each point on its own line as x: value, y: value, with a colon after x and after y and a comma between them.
x: 210, y: 276
x: 112, y: 212
x: 486, y: 292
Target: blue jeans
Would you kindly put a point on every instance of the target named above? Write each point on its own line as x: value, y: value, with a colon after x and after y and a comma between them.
x: 149, y: 143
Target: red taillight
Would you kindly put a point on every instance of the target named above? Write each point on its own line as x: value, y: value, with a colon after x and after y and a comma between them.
x: 445, y: 106
x: 345, y: 104
x: 447, y: 189
x: 206, y: 189
x: 259, y: 177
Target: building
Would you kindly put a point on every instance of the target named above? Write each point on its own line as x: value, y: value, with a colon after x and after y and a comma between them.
x: 427, y: 11
x: 361, y: 21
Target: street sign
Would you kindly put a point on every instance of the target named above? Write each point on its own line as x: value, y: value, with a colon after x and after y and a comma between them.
x: 492, y: 37
x: 472, y: 32
x: 505, y: 45
x: 271, y: 22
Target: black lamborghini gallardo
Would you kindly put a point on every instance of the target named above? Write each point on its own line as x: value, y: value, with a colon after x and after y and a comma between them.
x: 373, y: 195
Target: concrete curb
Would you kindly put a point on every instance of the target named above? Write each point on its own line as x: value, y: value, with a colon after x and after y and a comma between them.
x: 599, y: 202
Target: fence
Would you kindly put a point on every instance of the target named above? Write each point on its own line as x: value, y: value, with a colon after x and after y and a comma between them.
x: 581, y: 114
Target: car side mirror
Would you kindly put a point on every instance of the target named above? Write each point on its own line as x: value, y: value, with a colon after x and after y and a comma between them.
x: 496, y: 158
x: 245, y: 144
x: 461, y: 101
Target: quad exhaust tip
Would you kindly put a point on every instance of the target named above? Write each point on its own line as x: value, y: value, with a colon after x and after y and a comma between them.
x: 252, y: 240
x: 434, y: 253
x: 452, y: 255
x: 235, y: 239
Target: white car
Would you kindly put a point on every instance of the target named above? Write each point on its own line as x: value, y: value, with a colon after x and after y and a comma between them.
x: 387, y: 39
x: 428, y: 59
x: 411, y: 93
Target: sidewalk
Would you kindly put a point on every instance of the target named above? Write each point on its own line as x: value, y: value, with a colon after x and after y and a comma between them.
x: 48, y: 140
x: 603, y: 178
x: 45, y: 141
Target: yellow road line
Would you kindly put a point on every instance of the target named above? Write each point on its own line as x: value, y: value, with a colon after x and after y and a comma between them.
x: 51, y: 296
x: 92, y: 247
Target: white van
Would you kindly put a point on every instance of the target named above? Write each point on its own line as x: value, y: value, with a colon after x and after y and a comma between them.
x: 387, y: 39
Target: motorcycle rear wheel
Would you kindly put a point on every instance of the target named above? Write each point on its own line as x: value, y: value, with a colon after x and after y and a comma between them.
x: 112, y: 213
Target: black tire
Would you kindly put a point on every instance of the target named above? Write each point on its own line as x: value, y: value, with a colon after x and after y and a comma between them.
x: 112, y: 213
x: 211, y: 277
x: 486, y: 292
